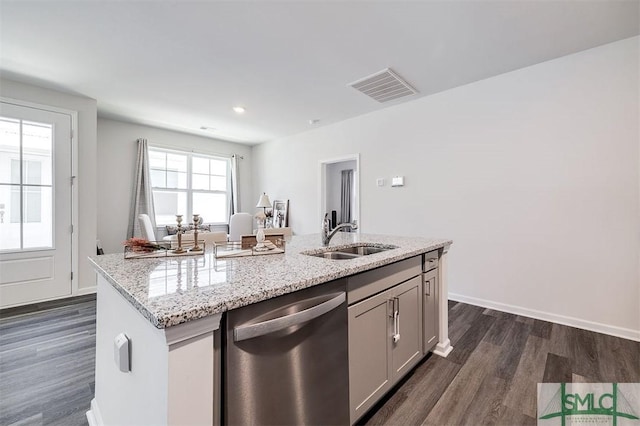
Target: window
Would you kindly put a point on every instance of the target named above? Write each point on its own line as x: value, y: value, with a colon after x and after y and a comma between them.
x: 26, y: 184
x: 31, y: 194
x: 186, y: 183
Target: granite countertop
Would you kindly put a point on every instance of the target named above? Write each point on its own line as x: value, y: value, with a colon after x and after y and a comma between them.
x: 171, y: 291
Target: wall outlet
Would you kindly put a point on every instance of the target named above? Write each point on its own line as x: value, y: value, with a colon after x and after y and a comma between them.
x: 121, y: 352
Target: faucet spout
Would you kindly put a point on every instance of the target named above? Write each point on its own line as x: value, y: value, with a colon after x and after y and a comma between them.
x: 328, y: 234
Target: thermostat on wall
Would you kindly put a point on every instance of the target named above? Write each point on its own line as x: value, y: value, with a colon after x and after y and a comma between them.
x: 397, y: 181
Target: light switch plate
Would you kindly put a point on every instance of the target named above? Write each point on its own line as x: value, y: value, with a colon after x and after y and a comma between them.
x: 397, y: 181
x: 380, y: 181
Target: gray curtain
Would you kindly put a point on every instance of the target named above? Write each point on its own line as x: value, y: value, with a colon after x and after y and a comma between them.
x: 345, y: 196
x: 233, y: 205
x: 142, y: 201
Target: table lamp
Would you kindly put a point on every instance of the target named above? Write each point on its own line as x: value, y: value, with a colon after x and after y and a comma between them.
x: 264, y: 202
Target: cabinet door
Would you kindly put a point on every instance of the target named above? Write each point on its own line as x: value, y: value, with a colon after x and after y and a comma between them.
x: 369, y: 353
x: 407, y: 346
x: 430, y: 307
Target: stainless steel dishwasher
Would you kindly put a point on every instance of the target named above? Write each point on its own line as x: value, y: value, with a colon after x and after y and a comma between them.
x: 286, y: 360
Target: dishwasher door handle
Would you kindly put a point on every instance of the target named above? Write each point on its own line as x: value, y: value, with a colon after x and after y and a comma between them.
x: 250, y: 331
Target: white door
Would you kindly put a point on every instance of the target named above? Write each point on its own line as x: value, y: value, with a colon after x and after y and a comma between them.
x: 35, y: 204
x: 331, y: 187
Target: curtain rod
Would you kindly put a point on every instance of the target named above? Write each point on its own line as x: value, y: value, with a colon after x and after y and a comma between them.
x: 177, y: 148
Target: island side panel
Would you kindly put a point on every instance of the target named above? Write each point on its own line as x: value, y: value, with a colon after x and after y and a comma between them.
x: 140, y: 395
x: 193, y: 400
x: 443, y: 348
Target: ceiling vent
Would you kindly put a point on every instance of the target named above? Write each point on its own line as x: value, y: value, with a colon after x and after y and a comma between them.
x: 384, y: 86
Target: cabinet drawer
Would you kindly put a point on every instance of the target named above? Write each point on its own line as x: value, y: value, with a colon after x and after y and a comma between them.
x: 369, y: 283
x: 430, y: 261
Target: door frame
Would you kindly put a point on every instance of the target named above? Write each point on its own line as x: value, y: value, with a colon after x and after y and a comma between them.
x: 74, y: 188
x: 322, y: 190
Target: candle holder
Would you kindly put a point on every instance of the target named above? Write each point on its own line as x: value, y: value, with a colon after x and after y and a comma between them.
x: 179, y: 249
x: 196, y: 222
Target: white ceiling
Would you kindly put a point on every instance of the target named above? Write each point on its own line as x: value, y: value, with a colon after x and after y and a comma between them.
x: 182, y: 65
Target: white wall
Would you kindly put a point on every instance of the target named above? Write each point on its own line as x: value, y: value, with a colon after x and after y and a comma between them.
x: 86, y: 173
x: 117, y: 150
x: 534, y: 174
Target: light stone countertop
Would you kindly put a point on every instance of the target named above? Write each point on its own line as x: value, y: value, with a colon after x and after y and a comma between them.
x: 171, y: 291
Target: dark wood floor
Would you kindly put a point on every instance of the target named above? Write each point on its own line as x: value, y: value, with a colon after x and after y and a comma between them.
x: 47, y: 356
x: 491, y: 375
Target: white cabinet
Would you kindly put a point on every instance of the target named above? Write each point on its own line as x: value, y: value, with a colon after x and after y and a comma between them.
x: 385, y: 331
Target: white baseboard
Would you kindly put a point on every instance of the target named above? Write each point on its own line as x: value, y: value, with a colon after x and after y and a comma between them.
x: 81, y: 292
x: 93, y: 415
x: 625, y: 333
x: 86, y: 290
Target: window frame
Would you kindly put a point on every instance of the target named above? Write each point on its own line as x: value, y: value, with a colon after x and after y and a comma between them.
x: 189, y: 190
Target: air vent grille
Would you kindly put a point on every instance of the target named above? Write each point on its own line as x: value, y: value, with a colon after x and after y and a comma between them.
x: 384, y: 86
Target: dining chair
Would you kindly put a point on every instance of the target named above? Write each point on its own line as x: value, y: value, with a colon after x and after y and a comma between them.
x: 240, y: 224
x: 146, y: 228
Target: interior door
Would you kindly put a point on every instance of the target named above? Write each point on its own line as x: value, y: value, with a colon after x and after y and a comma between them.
x: 35, y: 204
x: 331, y: 191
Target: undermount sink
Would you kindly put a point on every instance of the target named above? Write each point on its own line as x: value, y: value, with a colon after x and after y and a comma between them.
x: 351, y: 252
x: 336, y: 255
x: 363, y: 250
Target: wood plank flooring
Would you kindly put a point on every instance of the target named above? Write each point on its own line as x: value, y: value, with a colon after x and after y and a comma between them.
x: 491, y: 376
x: 47, y: 362
x: 47, y: 356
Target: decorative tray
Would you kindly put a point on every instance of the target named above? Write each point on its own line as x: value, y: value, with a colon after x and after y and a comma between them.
x: 164, y: 249
x: 240, y: 249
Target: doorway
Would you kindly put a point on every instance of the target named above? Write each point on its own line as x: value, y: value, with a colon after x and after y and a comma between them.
x: 340, y: 189
x: 36, y: 203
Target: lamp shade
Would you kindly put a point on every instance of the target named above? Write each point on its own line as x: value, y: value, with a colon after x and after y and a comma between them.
x: 264, y: 201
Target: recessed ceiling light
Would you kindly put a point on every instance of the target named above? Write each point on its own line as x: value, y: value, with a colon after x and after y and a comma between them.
x: 239, y: 109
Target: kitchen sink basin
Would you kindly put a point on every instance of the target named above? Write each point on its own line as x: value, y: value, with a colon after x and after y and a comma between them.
x: 362, y: 250
x: 336, y: 255
x: 351, y: 252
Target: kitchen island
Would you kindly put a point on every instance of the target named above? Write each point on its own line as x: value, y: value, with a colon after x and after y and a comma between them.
x: 170, y: 309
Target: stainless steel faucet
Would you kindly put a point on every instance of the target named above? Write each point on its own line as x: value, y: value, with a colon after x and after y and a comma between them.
x: 327, y: 234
